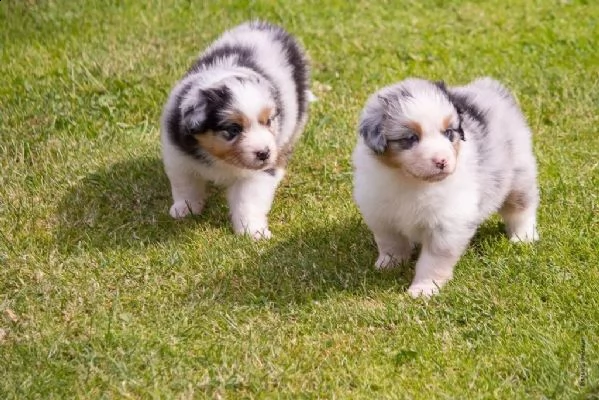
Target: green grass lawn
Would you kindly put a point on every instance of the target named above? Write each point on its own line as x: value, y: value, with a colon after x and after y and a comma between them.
x: 103, y: 295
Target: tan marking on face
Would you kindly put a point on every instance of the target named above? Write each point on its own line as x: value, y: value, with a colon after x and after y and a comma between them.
x: 390, y: 159
x: 410, y: 163
x: 219, y: 148
x: 416, y: 128
x: 456, y: 140
x: 393, y: 160
x: 241, y: 119
x: 264, y: 115
x: 446, y: 122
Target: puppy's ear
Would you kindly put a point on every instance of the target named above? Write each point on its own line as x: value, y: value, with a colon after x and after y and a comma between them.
x: 371, y: 124
x: 441, y: 85
x: 193, y: 114
x: 458, y: 107
x: 195, y: 111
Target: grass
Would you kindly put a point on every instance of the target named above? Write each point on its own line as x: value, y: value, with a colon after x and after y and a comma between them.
x: 102, y: 295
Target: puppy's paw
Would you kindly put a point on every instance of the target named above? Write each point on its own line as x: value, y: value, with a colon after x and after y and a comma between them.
x: 260, y: 234
x: 256, y: 233
x: 182, y: 208
x: 387, y: 261
x: 424, y: 289
x: 524, y: 236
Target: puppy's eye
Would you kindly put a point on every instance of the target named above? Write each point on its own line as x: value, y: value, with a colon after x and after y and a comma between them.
x: 449, y: 134
x: 232, y: 131
x: 409, y: 140
x: 405, y: 142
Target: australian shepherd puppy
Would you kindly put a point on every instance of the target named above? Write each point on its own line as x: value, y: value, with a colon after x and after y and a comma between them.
x: 233, y: 120
x: 432, y: 163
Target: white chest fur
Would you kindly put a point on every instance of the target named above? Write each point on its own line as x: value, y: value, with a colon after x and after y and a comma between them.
x: 414, y: 208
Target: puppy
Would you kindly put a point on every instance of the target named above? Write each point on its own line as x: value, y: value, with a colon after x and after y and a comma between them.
x: 432, y: 163
x: 233, y: 120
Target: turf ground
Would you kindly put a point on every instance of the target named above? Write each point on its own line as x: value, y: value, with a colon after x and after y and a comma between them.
x: 102, y: 295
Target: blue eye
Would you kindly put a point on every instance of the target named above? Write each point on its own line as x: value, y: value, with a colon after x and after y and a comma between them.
x: 449, y: 134
x: 232, y: 131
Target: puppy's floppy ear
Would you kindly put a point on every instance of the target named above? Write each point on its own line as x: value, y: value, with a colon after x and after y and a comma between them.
x: 460, y: 112
x: 193, y: 114
x: 460, y: 127
x: 459, y: 108
x: 371, y: 123
x: 441, y: 85
x: 195, y: 111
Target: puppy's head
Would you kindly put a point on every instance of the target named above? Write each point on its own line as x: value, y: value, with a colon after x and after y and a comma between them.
x: 413, y: 126
x: 234, y: 120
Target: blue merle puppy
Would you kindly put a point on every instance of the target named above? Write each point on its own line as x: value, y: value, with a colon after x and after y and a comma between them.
x: 233, y: 120
x: 433, y: 162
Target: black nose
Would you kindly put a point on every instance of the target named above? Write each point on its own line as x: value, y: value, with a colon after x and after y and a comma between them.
x: 263, y: 155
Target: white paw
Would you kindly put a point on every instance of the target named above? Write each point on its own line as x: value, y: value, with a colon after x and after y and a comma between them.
x: 387, y: 261
x: 182, y: 208
x: 256, y: 233
x: 525, y: 236
x: 426, y: 288
x: 261, y: 234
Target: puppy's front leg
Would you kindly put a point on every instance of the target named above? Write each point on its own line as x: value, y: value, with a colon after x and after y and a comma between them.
x: 189, y: 193
x: 435, y: 264
x: 250, y: 200
x: 394, y: 248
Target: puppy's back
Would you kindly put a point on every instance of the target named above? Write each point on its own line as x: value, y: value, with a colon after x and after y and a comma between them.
x: 494, y: 100
x: 504, y: 142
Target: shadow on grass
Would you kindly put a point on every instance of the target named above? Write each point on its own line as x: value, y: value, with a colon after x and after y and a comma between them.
x: 314, y: 263
x: 126, y: 204
x: 487, y: 233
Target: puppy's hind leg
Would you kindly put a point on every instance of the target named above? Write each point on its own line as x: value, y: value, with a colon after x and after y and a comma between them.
x: 394, y: 248
x: 519, y: 212
x: 250, y: 200
x: 189, y: 192
x: 520, y: 218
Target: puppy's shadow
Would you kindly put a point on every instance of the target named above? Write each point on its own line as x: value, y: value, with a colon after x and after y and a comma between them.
x: 315, y: 262
x: 487, y: 235
x: 125, y: 205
